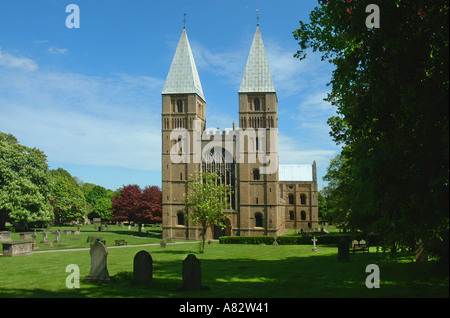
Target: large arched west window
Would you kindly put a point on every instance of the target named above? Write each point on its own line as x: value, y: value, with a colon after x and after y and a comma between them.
x: 220, y: 161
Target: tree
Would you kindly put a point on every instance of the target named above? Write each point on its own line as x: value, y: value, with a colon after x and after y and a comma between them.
x: 152, y: 204
x: 206, y: 201
x: 390, y: 87
x: 24, y: 184
x: 67, y: 198
x: 136, y: 205
x: 98, y: 201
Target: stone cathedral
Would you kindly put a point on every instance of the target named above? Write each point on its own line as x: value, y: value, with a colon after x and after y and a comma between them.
x: 265, y: 201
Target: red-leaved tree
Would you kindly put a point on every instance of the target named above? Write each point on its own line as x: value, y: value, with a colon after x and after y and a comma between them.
x: 137, y: 205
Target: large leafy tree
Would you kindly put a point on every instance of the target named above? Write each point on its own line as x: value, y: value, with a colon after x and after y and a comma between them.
x: 206, y: 201
x: 24, y: 184
x: 137, y: 205
x: 67, y: 199
x: 390, y: 87
x: 98, y: 201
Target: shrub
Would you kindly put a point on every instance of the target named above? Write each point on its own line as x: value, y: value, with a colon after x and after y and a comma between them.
x: 331, y: 239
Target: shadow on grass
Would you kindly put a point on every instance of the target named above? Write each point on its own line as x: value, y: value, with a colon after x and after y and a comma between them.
x: 299, y: 277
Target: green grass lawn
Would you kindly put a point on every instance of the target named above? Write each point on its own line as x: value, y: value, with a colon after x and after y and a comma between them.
x: 69, y: 241
x: 249, y: 271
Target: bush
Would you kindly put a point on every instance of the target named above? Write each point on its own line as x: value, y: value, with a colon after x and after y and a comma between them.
x: 297, y: 240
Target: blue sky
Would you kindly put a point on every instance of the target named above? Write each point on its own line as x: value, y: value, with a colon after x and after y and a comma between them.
x: 90, y: 98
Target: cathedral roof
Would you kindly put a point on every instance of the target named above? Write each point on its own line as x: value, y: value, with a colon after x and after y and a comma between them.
x: 257, y: 76
x: 295, y: 172
x: 183, y: 76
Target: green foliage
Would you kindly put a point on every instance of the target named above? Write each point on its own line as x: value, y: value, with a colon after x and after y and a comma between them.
x: 330, y: 239
x: 24, y: 184
x: 390, y: 87
x: 98, y: 201
x: 206, y: 200
x: 67, y: 199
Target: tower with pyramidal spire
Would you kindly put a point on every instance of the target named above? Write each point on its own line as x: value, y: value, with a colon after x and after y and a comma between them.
x: 264, y: 201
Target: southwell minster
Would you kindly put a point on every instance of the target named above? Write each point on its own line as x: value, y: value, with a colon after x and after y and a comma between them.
x: 267, y: 198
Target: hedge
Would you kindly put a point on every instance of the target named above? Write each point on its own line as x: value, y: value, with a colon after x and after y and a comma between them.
x: 297, y: 240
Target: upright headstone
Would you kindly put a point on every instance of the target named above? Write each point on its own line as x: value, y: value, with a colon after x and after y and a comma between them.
x: 44, y: 237
x: 421, y: 253
x: 275, y: 243
x: 192, y: 273
x: 34, y: 246
x: 143, y: 267
x: 99, y: 269
x: 57, y: 237
x: 314, y: 249
x: 343, y: 250
x: 162, y: 244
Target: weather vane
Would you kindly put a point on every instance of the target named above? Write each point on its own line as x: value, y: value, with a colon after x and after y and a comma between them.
x: 184, y: 21
x: 257, y: 17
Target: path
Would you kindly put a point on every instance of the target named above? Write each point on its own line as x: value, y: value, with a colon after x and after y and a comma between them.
x: 108, y: 247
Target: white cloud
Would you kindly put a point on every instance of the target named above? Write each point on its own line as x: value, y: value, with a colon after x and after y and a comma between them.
x: 22, y: 63
x: 85, y: 120
x: 56, y: 50
x: 291, y: 151
x: 229, y: 64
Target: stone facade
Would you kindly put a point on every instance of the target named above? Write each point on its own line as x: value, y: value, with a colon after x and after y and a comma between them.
x: 262, y: 203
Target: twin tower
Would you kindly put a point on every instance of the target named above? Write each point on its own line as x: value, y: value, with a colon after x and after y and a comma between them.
x: 245, y: 158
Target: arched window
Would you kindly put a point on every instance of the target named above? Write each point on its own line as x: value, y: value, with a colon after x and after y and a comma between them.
x: 302, y: 199
x: 255, y: 174
x: 180, y: 218
x: 291, y: 199
x: 257, y: 104
x: 258, y: 220
x: 303, y: 216
x: 291, y: 215
x: 180, y: 106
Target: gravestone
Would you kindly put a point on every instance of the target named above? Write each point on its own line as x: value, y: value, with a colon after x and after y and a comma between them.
x: 162, y: 244
x: 275, y: 243
x: 99, y: 270
x: 421, y: 253
x: 314, y: 249
x: 17, y: 248
x: 5, y: 236
x: 26, y: 236
x: 192, y: 274
x: 34, y: 245
x: 343, y: 250
x: 143, y: 267
x: 44, y: 237
x: 57, y: 237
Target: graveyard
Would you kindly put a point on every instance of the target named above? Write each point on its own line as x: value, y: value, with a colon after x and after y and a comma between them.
x: 223, y: 271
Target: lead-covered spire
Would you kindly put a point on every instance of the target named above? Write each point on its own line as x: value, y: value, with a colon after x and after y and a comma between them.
x: 257, y: 76
x: 183, y: 76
